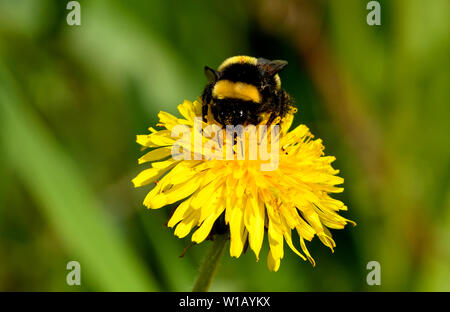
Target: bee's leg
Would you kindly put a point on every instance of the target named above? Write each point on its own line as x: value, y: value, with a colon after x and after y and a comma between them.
x: 271, y: 118
x: 204, y: 111
x: 286, y: 104
x: 206, y: 100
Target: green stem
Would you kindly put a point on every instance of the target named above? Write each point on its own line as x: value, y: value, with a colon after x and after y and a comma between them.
x: 209, y: 266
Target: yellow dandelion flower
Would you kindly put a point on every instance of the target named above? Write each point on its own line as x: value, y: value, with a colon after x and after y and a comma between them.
x: 248, y: 200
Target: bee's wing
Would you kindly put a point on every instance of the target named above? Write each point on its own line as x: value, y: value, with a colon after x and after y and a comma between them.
x: 211, y: 74
x: 269, y: 67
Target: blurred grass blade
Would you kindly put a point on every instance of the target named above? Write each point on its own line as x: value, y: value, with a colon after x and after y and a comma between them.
x: 178, y: 272
x: 55, y: 182
x: 154, y: 64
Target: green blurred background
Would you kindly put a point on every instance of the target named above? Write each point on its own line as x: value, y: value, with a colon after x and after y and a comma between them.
x: 72, y: 99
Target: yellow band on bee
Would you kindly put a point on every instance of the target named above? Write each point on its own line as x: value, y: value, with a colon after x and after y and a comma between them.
x: 240, y: 59
x: 236, y: 90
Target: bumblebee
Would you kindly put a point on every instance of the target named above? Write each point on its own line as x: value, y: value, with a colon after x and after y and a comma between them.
x: 245, y: 90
